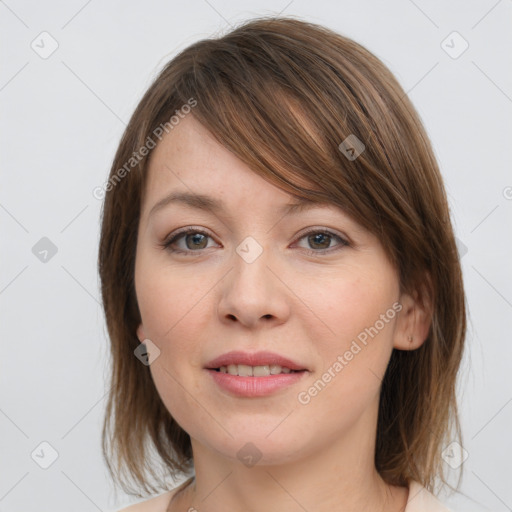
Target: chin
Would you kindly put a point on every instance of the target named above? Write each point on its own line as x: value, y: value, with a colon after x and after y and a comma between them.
x: 257, y: 448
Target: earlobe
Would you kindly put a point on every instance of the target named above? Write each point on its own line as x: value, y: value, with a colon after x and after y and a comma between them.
x: 140, y: 333
x: 413, y: 322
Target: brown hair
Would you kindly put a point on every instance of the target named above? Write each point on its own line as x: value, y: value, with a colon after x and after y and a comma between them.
x: 282, y: 94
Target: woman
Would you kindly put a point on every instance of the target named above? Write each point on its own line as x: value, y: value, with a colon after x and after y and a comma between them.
x: 281, y: 283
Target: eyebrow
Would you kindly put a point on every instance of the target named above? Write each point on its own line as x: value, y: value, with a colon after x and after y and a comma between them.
x: 208, y: 203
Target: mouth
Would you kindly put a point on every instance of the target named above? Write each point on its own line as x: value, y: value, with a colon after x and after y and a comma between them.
x: 255, y: 364
x: 244, y: 370
x: 257, y: 374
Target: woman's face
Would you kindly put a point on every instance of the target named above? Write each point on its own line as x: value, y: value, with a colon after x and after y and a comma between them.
x: 310, y: 286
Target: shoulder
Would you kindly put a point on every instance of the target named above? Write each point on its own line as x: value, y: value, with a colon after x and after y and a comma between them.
x: 421, y: 500
x: 157, y: 504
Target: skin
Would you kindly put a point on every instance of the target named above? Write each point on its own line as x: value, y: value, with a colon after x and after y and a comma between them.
x: 317, y: 456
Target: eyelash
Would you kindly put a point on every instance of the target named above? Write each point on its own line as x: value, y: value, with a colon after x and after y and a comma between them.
x: 168, y: 243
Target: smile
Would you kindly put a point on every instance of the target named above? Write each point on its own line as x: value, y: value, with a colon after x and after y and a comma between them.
x: 244, y: 370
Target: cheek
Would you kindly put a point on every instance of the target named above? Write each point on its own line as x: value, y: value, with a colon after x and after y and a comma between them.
x: 176, y: 311
x: 348, y: 303
x: 354, y: 341
x: 168, y: 298
x: 354, y: 318
x: 174, y: 318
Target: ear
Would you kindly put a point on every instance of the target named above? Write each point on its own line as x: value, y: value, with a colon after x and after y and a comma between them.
x: 140, y: 333
x: 414, y: 319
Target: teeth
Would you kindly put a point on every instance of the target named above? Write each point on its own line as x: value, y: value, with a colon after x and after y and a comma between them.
x: 261, y: 371
x: 275, y: 369
x: 244, y: 370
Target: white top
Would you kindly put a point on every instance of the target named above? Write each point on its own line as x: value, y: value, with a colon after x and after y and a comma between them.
x: 419, y: 500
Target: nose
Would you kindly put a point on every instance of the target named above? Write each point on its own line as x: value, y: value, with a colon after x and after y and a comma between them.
x: 253, y: 293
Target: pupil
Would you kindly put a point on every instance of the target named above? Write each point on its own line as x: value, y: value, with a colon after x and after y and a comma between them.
x: 323, y: 235
x: 196, y: 238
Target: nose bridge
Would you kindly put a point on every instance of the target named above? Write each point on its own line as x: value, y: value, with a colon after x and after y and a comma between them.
x: 251, y: 272
x: 252, y: 291
x: 250, y: 250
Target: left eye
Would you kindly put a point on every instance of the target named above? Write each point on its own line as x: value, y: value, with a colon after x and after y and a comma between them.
x: 322, y: 240
x: 196, y: 240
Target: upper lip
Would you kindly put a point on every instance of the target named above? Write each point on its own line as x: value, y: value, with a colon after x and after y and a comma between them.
x: 253, y: 359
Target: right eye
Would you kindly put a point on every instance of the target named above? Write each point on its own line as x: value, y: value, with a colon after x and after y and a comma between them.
x: 195, y: 240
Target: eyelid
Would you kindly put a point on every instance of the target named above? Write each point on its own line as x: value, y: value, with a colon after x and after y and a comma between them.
x: 344, y: 241
x: 185, y: 231
x: 321, y: 229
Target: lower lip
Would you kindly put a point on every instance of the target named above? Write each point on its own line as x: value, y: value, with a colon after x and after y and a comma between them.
x: 250, y: 387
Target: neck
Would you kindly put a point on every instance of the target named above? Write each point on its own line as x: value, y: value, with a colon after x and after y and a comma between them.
x: 337, y: 476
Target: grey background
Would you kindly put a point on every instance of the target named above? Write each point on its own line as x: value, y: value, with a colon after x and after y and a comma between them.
x: 62, y: 118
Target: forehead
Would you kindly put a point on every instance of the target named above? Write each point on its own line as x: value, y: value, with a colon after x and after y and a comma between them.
x: 190, y: 162
x: 191, y: 144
